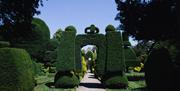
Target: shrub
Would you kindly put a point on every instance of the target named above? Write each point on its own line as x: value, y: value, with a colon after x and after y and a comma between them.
x: 35, y: 45
x: 94, y: 39
x: 84, y: 65
x: 66, y: 79
x: 115, y: 55
x: 130, y: 57
x: 16, y: 70
x: 116, y: 81
x: 4, y: 44
x: 38, y: 68
x: 66, y: 52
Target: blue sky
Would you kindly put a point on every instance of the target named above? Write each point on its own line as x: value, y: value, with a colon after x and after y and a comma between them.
x: 79, y: 13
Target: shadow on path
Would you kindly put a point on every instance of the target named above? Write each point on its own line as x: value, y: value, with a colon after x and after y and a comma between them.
x: 92, y: 85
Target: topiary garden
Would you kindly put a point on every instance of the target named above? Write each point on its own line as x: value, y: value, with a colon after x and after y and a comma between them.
x: 64, y: 54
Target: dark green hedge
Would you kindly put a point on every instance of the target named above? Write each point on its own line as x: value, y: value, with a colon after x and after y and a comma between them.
x: 115, y: 56
x: 130, y: 57
x: 92, y: 39
x: 35, y: 45
x: 115, y: 80
x: 66, y: 79
x: 66, y: 51
x: 16, y: 70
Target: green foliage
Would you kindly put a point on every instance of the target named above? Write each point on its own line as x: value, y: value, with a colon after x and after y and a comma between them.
x: 16, y: 70
x: 4, y: 44
x: 135, y: 76
x: 119, y: 81
x: 66, y: 51
x: 70, y: 28
x: 93, y: 39
x: 40, y: 30
x: 66, y: 79
x: 16, y: 17
x: 50, y: 56
x: 84, y: 65
x: 143, y: 19
x: 115, y: 55
x: 58, y: 34
x: 110, y: 28
x: 92, y: 29
x: 130, y: 57
x: 38, y: 68
x: 35, y: 46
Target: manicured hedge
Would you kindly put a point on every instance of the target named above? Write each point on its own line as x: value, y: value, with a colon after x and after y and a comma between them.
x: 16, y: 70
x: 115, y: 80
x: 92, y: 39
x: 115, y: 56
x: 130, y: 57
x: 66, y: 51
x: 66, y: 79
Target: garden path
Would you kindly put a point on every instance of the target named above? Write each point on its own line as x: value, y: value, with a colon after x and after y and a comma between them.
x: 90, y: 83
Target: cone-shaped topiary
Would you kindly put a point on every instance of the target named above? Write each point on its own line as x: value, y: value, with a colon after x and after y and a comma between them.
x: 16, y: 70
x: 110, y: 28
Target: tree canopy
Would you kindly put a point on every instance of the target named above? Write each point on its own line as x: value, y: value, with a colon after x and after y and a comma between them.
x: 149, y: 19
x: 16, y: 16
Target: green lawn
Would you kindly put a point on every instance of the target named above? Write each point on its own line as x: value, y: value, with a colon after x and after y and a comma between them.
x: 43, y: 80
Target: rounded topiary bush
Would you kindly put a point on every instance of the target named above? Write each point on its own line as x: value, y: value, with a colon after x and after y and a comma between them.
x: 37, y: 39
x: 40, y: 30
x: 66, y: 80
x: 110, y: 28
x: 117, y: 82
x: 70, y: 28
x: 16, y: 70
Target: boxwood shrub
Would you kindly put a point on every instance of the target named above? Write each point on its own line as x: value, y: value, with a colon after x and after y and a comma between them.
x: 66, y: 79
x: 16, y: 70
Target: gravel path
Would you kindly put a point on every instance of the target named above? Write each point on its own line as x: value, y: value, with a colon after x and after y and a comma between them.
x: 89, y: 83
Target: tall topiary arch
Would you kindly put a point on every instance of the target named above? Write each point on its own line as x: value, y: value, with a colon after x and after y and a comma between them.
x: 93, y: 39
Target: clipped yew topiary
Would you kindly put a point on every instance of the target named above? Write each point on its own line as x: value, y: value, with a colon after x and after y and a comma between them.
x: 66, y: 79
x: 66, y: 50
x: 130, y: 57
x: 115, y: 55
x: 16, y: 70
x: 92, y: 39
x: 110, y: 28
x: 117, y: 82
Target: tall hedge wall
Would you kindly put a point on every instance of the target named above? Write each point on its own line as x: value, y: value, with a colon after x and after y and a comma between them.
x: 115, y: 56
x: 66, y: 51
x: 92, y: 39
x: 16, y: 70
